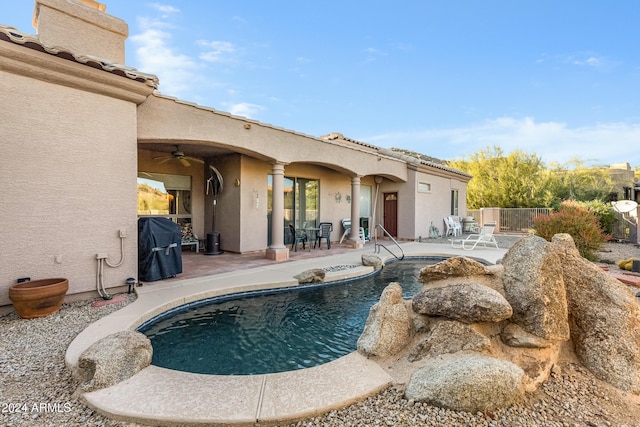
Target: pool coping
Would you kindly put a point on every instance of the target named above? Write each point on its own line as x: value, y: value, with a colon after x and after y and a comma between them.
x: 161, y: 396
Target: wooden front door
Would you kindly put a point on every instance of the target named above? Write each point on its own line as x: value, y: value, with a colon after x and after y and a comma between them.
x: 391, y: 213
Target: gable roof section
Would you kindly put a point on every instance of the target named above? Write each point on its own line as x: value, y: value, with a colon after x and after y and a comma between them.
x: 12, y: 35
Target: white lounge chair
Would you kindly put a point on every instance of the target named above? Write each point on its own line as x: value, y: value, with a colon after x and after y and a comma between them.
x: 483, y: 238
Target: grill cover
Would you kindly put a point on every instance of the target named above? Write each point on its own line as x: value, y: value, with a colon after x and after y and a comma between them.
x: 159, y: 249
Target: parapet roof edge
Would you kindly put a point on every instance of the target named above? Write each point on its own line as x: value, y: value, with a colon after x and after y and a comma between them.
x: 158, y: 94
x: 12, y: 35
x: 355, y: 145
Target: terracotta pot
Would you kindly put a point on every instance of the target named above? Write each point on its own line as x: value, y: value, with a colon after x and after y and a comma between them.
x: 38, y: 298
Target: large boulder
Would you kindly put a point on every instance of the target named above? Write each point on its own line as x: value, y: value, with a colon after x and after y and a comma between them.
x: 370, y: 260
x: 514, y: 336
x: 449, y: 336
x: 467, y: 382
x: 113, y: 359
x: 389, y: 327
x: 314, y: 275
x: 453, y: 267
x: 604, y: 319
x: 466, y: 302
x: 534, y: 286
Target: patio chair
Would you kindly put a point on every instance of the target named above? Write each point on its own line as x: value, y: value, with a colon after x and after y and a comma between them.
x: 299, y: 236
x: 346, y: 224
x: 324, y: 232
x: 483, y: 238
x: 453, y: 227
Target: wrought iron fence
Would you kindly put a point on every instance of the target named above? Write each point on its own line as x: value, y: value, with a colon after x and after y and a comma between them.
x: 625, y: 228
x: 513, y: 220
x: 520, y: 220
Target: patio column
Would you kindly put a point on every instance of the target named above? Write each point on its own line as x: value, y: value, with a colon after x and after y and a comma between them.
x: 354, y: 236
x: 277, y: 251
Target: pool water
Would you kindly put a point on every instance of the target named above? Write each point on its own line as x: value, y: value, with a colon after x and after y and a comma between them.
x: 274, y: 332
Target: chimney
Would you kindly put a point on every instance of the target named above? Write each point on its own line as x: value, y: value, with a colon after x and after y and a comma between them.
x: 81, y: 27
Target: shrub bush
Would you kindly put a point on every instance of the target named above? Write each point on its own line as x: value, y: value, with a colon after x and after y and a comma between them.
x: 605, y: 213
x: 578, y: 221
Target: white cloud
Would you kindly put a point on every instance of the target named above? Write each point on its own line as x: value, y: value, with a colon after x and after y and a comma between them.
x: 164, y: 8
x: 602, y: 143
x: 245, y: 109
x: 155, y: 54
x: 216, y: 51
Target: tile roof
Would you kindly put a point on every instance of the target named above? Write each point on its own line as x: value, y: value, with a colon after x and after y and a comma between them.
x: 12, y: 35
x: 406, y: 155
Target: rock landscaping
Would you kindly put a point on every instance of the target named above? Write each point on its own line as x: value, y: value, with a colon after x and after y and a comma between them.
x: 483, y: 346
x: 32, y: 369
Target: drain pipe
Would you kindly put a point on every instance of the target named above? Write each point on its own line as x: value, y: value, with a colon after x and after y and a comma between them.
x: 102, y: 260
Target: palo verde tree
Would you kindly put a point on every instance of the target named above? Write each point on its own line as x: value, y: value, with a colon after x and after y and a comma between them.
x: 522, y: 180
x: 574, y: 181
x: 516, y: 180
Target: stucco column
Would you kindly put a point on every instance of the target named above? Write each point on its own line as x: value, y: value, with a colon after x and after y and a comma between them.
x: 354, y: 236
x: 277, y: 251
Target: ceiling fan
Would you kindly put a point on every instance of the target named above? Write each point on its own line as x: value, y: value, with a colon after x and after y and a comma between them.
x: 180, y: 156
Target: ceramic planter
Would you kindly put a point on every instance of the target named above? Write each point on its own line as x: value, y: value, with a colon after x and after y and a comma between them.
x: 38, y: 298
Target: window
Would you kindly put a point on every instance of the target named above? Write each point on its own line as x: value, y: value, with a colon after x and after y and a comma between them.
x: 365, y: 201
x: 454, y: 202
x: 165, y: 195
x: 424, y: 187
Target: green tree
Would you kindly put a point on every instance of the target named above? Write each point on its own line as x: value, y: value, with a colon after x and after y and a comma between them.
x: 515, y: 180
x: 522, y: 180
x: 575, y: 181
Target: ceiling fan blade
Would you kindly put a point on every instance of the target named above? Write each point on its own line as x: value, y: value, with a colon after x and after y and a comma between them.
x: 193, y: 159
x: 164, y: 159
x: 184, y: 161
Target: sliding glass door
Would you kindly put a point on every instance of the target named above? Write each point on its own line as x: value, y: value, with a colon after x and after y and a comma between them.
x: 301, y: 204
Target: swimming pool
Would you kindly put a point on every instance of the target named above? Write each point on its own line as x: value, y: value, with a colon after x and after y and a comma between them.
x: 273, y: 331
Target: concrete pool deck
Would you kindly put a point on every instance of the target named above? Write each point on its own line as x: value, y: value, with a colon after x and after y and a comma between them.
x: 159, y: 396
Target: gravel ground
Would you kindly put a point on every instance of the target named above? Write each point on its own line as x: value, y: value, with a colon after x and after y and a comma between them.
x: 36, y: 389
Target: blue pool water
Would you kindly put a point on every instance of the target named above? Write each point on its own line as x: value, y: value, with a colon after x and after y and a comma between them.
x: 276, y: 331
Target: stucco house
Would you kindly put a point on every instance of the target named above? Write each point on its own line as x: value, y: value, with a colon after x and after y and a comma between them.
x: 81, y: 132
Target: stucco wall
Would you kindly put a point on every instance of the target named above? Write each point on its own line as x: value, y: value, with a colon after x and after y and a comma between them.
x: 417, y: 210
x: 69, y: 176
x: 81, y: 29
x: 241, y: 211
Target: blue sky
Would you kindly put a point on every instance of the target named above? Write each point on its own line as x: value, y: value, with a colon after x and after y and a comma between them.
x: 445, y: 78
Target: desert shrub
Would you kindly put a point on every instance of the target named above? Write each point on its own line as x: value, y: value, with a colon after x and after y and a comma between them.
x: 578, y: 221
x: 605, y: 213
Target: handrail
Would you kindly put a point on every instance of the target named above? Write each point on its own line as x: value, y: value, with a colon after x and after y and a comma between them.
x: 378, y: 246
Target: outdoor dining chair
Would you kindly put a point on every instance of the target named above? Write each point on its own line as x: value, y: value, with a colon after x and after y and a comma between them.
x: 484, y: 238
x: 324, y: 232
x: 299, y: 236
x: 453, y: 227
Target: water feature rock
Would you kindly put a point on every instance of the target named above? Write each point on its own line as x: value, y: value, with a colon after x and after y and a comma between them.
x: 534, y: 286
x: 514, y: 336
x: 468, y: 302
x: 453, y: 267
x: 371, y: 261
x: 449, y: 336
x: 388, y: 328
x: 314, y: 275
x: 467, y: 382
x: 113, y: 359
x: 604, y: 319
